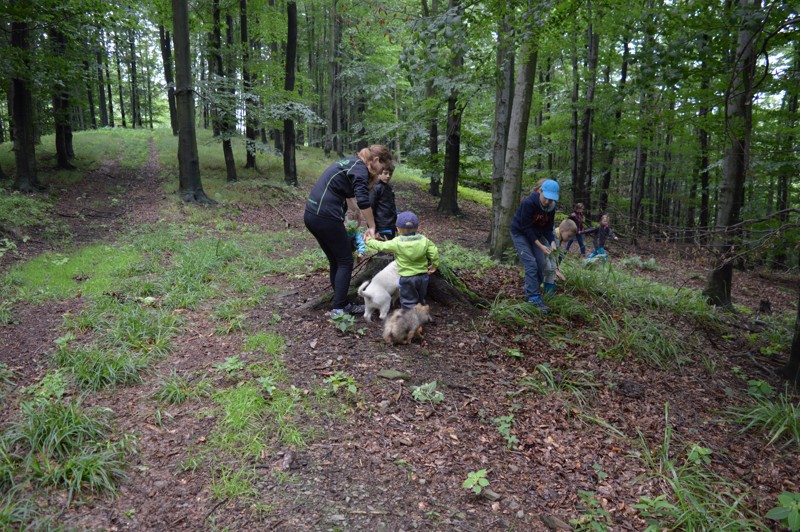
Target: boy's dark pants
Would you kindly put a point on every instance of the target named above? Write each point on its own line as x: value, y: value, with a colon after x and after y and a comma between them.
x: 413, y: 290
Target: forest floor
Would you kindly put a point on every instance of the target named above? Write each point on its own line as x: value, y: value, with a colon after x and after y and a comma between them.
x: 376, y: 459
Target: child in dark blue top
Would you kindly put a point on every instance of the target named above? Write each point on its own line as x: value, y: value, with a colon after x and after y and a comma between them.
x: 381, y: 198
x: 533, y: 224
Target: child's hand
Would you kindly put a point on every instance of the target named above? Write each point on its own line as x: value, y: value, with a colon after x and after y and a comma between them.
x: 431, y: 270
x: 545, y: 249
x: 360, y: 256
x: 616, y: 238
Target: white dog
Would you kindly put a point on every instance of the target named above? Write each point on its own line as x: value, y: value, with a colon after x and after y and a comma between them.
x: 381, y: 291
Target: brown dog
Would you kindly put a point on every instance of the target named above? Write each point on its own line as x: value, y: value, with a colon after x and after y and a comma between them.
x: 404, y: 324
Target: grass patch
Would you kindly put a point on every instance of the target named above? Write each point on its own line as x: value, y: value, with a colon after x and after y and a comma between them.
x: 644, y: 337
x: 578, y: 385
x: 90, y: 271
x: 94, y: 368
x: 21, y: 214
x: 175, y: 389
x: 697, y: 498
x: 776, y: 415
x: 513, y: 312
x: 64, y: 445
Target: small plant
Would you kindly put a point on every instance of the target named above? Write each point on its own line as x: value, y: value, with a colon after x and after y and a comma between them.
x: 427, y: 393
x: 53, y: 386
x: 6, y: 376
x: 656, y: 512
x: 504, y: 425
x: 231, y: 366
x: 346, y: 323
x: 594, y: 516
x: 267, y: 383
x: 514, y: 353
x: 342, y: 381
x: 476, y: 481
x: 548, y: 381
x: 759, y: 388
x: 7, y: 313
x: 699, y: 455
x: 787, y: 512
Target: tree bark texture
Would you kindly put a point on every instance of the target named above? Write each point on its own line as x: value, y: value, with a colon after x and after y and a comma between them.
x: 26, y: 179
x: 190, y: 188
x: 247, y: 106
x: 739, y: 105
x: 502, y: 112
x: 515, y: 148
x: 289, y: 139
x: 166, y: 60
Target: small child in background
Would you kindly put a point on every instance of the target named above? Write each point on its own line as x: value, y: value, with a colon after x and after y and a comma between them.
x: 577, y: 216
x: 564, y: 232
x: 416, y: 256
x: 356, y: 238
x: 601, y: 234
x: 381, y: 198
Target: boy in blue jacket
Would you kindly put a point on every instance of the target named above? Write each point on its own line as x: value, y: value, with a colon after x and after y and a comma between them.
x: 532, y: 226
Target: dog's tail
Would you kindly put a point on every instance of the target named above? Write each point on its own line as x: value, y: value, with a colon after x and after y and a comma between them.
x: 363, y: 287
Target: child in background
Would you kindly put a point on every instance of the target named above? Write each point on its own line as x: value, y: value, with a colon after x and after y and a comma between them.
x: 564, y: 232
x: 381, y: 198
x: 577, y: 217
x: 601, y: 234
x: 416, y: 256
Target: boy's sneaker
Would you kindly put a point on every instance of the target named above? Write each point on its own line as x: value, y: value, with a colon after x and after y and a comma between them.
x: 537, y: 302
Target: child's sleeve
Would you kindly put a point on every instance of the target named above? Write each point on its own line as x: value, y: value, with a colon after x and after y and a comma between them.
x: 359, y: 239
x: 381, y: 245
x: 433, y: 254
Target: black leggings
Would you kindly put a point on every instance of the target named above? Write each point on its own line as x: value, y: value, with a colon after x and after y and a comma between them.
x: 332, y: 238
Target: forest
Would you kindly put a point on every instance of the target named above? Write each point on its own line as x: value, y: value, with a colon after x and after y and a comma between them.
x: 162, y: 360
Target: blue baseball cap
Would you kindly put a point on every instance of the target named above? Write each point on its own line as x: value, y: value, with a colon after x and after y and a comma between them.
x: 550, y: 189
x: 407, y: 220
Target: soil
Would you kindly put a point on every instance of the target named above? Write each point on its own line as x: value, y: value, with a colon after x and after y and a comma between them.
x: 393, y: 463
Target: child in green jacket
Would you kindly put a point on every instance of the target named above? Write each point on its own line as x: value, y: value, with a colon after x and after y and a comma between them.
x: 416, y: 256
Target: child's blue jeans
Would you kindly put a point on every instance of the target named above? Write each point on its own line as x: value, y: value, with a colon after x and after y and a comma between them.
x: 598, y: 252
x: 534, y: 261
x: 579, y: 238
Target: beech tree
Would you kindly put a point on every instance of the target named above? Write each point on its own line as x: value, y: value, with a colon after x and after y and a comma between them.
x: 190, y: 187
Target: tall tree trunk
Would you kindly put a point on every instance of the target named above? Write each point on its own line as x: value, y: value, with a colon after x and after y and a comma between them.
x: 25, y: 179
x: 101, y: 86
x: 227, y: 112
x: 703, y: 141
x: 190, y: 187
x: 149, y: 91
x: 739, y: 105
x: 136, y: 110
x: 792, y: 369
x: 247, y: 106
x: 788, y: 168
x: 448, y: 203
x: 61, y: 119
x: 515, y: 150
x: 90, y: 93
x: 119, y: 79
x: 611, y: 149
x: 166, y: 59
x: 289, y: 161
x: 108, y: 81
x: 583, y: 191
x: 577, y: 185
x: 434, y: 174
x: 502, y: 113
x: 332, y: 68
